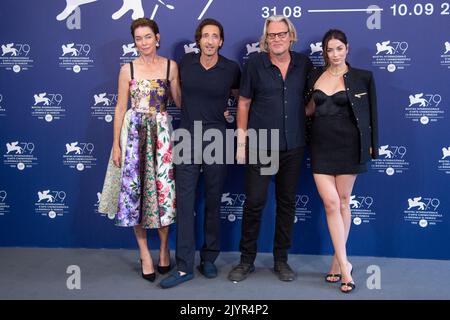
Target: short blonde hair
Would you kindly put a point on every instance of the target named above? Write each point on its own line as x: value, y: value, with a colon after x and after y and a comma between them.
x: 263, y: 42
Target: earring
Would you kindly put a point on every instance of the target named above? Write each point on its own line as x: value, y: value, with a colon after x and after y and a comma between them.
x: 157, y: 44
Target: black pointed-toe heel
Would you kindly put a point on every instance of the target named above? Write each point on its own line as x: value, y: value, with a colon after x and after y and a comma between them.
x: 164, y: 270
x: 149, y: 276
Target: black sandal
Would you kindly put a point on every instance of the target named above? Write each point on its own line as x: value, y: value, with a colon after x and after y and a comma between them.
x: 348, y: 284
x: 333, y: 275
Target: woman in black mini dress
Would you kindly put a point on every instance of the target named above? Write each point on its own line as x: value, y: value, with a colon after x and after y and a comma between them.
x: 343, y: 138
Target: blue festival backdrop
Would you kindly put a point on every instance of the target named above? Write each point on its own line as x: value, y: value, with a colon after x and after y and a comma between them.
x: 59, y: 66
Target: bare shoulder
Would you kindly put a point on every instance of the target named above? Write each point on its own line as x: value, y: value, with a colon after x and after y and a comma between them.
x: 125, y: 68
x: 173, y: 65
x: 173, y: 71
x: 125, y: 72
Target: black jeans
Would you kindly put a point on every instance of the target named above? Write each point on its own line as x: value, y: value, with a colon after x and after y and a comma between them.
x: 256, y: 185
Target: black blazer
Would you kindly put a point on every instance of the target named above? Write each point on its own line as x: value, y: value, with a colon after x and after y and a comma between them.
x: 360, y: 87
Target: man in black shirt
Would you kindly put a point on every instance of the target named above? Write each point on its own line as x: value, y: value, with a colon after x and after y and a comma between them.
x: 272, y: 98
x: 207, y: 79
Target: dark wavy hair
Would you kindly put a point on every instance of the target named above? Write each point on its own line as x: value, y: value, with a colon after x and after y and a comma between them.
x: 329, y: 35
x: 208, y: 22
x: 144, y: 22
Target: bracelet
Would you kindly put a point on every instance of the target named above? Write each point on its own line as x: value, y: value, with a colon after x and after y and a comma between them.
x: 241, y: 144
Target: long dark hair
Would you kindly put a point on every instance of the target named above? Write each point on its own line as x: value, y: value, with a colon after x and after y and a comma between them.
x: 332, y: 34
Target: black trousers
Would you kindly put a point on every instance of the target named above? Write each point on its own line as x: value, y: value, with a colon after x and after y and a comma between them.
x: 256, y: 185
x: 186, y: 184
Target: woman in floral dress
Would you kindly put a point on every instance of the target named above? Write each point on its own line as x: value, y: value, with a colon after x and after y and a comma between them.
x: 139, y: 188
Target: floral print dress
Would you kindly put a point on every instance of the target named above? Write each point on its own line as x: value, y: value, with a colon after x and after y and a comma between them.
x: 142, y: 190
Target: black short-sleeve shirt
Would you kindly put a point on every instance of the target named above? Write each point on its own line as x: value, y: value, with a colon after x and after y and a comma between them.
x: 277, y: 104
x: 205, y: 93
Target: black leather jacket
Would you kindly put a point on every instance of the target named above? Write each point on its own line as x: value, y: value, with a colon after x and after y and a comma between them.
x: 360, y: 87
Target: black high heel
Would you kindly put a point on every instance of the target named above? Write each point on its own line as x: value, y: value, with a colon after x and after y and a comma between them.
x: 350, y: 284
x: 165, y: 269
x: 333, y: 275
x: 149, y: 276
